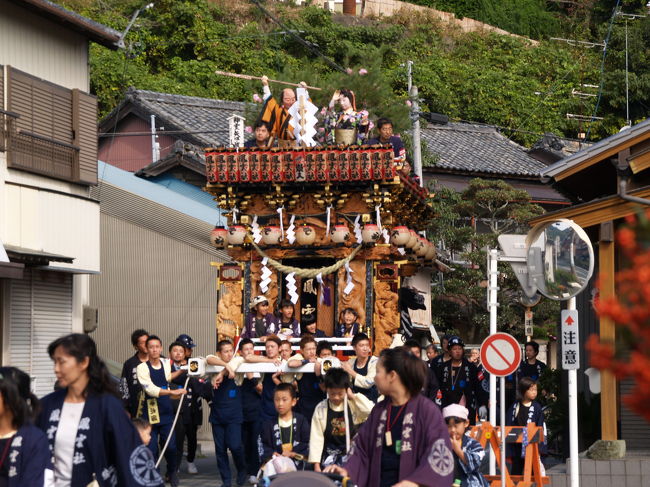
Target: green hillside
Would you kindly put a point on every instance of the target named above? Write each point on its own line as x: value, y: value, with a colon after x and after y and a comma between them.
x: 525, y: 87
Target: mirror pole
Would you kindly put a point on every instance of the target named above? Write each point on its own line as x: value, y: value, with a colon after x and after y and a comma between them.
x: 573, y: 418
x: 493, y: 274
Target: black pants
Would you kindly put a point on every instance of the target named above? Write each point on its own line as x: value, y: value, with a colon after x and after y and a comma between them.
x: 186, y: 431
x: 251, y: 431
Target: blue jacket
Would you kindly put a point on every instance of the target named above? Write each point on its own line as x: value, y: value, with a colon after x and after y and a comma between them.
x: 29, y: 458
x: 272, y: 442
x: 107, y: 445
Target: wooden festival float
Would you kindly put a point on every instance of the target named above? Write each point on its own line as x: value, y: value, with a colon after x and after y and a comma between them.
x: 328, y: 228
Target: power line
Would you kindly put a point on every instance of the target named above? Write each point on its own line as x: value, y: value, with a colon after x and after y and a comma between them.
x: 308, y: 45
x: 602, y: 67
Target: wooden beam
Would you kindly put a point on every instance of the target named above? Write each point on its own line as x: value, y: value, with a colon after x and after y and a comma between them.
x: 596, y: 212
x: 640, y: 162
x: 608, y: 397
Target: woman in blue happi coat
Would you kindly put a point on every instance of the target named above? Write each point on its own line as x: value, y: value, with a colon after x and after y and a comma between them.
x: 88, y: 432
x: 25, y: 459
x: 525, y: 410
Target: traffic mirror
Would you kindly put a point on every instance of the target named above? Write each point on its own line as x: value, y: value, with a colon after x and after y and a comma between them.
x: 560, y: 259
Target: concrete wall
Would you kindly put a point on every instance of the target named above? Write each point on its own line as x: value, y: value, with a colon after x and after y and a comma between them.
x: 378, y: 8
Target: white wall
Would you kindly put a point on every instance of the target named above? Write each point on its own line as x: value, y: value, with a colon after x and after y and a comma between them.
x: 43, y: 220
x: 42, y: 48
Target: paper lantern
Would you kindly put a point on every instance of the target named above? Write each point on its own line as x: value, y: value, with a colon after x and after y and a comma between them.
x: 399, y: 236
x: 218, y: 237
x: 271, y: 235
x: 340, y: 233
x: 305, y: 235
x: 236, y: 235
x: 370, y: 233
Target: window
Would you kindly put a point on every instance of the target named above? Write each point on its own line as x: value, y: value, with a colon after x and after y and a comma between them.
x: 49, y: 129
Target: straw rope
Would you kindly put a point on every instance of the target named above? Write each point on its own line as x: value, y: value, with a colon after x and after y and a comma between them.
x: 307, y: 273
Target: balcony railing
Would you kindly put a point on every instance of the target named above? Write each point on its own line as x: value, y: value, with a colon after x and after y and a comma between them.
x: 34, y: 153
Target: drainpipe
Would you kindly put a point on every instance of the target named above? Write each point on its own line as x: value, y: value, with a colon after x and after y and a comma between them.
x: 622, y: 192
x: 624, y: 173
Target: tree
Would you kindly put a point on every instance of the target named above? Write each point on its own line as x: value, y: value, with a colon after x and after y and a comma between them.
x: 467, y: 223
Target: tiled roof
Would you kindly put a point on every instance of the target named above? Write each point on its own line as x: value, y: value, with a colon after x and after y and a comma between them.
x: 204, y: 119
x: 461, y: 147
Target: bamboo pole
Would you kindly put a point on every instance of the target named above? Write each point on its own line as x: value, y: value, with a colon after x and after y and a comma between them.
x: 249, y: 77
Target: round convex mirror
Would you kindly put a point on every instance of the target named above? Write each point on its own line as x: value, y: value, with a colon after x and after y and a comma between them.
x: 560, y: 259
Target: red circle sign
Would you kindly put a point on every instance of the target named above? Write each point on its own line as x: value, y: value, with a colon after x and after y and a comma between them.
x: 500, y: 354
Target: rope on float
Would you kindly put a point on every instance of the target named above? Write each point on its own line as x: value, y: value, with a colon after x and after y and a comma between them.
x: 307, y: 273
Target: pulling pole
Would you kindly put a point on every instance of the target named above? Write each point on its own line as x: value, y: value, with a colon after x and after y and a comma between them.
x: 249, y: 77
x: 574, y: 461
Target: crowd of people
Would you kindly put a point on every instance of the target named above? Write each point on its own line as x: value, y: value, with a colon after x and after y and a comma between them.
x: 396, y: 419
x: 350, y: 419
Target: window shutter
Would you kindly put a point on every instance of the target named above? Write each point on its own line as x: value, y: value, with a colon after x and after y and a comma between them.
x: 84, y: 125
x: 40, y: 311
x: 2, y: 87
x: 20, y: 98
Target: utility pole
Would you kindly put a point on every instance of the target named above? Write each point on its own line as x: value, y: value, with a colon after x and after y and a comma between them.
x: 415, y: 120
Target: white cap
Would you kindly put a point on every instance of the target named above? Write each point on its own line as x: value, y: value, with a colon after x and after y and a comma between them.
x: 455, y: 411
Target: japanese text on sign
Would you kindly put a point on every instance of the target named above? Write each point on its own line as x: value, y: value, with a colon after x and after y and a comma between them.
x: 569, y: 340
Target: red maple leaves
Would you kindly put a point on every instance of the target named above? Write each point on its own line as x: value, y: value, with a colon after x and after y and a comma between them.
x: 629, y: 308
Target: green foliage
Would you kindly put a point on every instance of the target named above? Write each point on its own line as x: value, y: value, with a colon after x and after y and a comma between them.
x: 465, y: 224
x: 505, y: 81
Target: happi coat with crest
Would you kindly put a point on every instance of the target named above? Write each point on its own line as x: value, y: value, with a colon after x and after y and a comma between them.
x: 426, y: 457
x: 108, y: 448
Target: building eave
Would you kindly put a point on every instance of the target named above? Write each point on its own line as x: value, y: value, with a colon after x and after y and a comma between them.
x: 94, y: 31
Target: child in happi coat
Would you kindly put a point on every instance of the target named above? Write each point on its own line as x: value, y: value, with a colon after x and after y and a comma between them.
x: 468, y: 453
x: 289, y: 434
x: 525, y: 410
x: 26, y: 460
x: 288, y: 325
x: 330, y: 431
x: 309, y: 390
x: 348, y: 326
x: 259, y: 322
x: 144, y: 430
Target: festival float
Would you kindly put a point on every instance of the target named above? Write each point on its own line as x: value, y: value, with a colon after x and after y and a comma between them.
x: 329, y: 227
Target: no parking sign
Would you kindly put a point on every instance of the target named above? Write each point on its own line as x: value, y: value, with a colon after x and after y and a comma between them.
x: 500, y: 354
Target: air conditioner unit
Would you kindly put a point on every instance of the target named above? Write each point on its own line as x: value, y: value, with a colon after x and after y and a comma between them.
x: 91, y: 319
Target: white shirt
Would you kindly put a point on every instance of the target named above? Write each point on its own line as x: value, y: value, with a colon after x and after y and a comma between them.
x: 64, y: 442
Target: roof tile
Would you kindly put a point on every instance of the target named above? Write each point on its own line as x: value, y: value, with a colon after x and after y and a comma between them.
x: 462, y: 147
